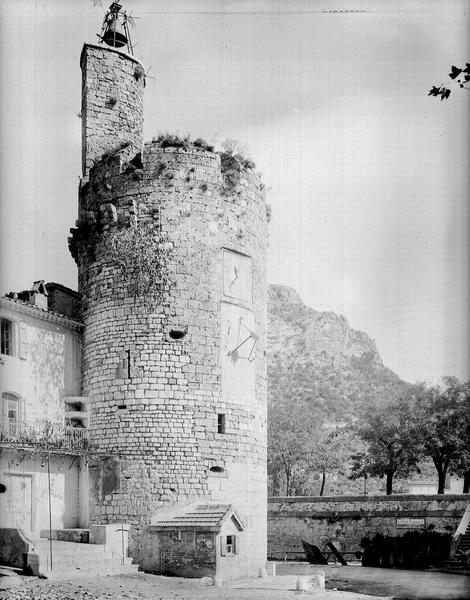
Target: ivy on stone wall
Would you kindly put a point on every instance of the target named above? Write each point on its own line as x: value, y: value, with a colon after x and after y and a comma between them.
x: 140, y: 253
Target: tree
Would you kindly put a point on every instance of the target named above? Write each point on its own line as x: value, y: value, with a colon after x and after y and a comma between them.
x: 327, y: 454
x: 463, y: 75
x: 392, y: 447
x: 444, y: 426
x: 289, y: 443
x: 299, y: 447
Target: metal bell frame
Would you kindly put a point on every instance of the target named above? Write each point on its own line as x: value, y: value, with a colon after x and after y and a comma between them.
x: 110, y: 31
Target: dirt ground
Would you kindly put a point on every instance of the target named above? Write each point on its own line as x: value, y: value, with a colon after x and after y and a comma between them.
x: 142, y: 586
x: 398, y: 583
x: 343, y: 583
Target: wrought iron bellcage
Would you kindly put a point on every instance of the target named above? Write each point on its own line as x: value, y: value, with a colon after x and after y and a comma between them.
x: 115, y: 29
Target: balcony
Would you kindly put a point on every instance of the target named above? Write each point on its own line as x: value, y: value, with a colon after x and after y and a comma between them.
x: 44, y: 435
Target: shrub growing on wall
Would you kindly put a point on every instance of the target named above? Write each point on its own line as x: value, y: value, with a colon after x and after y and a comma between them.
x: 140, y: 252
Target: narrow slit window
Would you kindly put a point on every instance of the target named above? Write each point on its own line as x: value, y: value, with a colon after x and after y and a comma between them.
x: 220, y: 423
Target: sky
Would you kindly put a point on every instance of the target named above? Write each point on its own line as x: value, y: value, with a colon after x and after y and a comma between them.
x: 368, y: 177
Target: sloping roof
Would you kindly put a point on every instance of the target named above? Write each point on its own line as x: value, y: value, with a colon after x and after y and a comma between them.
x: 41, y: 313
x: 205, y: 516
x: 51, y: 285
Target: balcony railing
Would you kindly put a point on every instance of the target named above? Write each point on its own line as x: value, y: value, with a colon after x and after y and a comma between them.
x: 44, y: 434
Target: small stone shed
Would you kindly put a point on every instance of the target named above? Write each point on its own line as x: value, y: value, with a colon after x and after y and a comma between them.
x: 206, y: 540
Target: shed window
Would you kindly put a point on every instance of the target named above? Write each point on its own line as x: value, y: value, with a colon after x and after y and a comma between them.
x: 228, y: 545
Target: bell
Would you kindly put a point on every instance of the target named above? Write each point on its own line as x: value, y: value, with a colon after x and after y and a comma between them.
x: 114, y: 35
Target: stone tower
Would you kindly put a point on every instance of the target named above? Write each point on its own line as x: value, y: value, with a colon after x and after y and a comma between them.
x: 176, y: 384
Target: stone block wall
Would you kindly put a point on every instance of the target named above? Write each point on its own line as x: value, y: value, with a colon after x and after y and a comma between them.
x: 348, y: 519
x: 112, y: 102
x: 155, y: 401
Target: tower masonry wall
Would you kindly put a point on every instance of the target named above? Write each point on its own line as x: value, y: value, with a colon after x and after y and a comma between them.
x: 112, y: 103
x: 156, y: 402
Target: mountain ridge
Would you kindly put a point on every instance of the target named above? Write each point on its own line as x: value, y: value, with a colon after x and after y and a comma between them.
x: 317, y: 360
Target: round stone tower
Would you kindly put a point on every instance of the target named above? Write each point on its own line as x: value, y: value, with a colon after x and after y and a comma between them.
x: 174, y: 358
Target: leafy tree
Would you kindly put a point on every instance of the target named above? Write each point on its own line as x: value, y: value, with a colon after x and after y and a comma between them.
x: 327, y: 454
x: 392, y: 448
x: 289, y: 444
x: 444, y: 426
x: 299, y: 447
x: 463, y: 81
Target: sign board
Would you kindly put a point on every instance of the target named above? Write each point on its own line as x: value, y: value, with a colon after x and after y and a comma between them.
x: 410, y: 522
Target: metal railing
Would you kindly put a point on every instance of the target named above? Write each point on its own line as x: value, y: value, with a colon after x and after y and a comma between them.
x: 52, y: 436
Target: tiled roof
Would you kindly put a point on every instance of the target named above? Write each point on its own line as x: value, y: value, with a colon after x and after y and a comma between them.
x: 203, y: 516
x: 42, y: 313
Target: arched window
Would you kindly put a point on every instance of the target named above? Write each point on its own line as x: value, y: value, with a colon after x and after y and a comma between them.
x: 11, y: 421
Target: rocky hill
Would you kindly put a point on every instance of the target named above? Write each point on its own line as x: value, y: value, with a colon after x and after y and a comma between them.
x: 316, y: 359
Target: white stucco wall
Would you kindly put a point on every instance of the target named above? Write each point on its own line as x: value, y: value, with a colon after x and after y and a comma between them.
x: 25, y: 503
x: 45, y: 366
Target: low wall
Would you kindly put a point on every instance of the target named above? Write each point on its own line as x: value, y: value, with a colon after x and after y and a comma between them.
x: 13, y: 547
x: 348, y: 519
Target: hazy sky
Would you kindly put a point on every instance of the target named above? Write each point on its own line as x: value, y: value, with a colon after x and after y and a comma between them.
x: 368, y: 175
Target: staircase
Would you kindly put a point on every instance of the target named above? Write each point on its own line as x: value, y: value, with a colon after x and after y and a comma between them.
x: 75, y: 558
x: 460, y: 546
x: 464, y: 545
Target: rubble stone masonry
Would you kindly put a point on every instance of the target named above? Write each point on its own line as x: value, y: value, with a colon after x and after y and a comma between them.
x: 156, y: 401
x: 348, y: 519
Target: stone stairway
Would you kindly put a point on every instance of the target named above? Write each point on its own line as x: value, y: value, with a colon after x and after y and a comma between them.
x: 459, y: 559
x: 75, y: 559
x: 464, y: 545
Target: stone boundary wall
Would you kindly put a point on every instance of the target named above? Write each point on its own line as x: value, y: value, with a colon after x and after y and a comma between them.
x: 348, y: 519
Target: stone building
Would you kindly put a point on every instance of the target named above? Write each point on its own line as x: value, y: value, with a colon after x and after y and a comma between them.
x: 170, y: 245
x: 177, y: 389
x: 43, y: 417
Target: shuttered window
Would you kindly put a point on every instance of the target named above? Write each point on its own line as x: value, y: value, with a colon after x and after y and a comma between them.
x: 7, y: 337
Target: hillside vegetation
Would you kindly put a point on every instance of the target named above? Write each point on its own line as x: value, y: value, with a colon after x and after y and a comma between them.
x: 318, y: 363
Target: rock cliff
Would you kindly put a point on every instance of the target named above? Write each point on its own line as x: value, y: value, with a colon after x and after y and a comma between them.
x: 316, y: 358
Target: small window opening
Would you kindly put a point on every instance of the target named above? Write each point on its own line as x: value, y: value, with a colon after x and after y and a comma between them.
x: 220, y: 423
x: 230, y: 545
x: 122, y: 406
x: 217, y: 469
x: 177, y: 333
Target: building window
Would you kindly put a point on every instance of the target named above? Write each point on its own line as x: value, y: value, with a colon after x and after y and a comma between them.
x: 228, y: 545
x: 7, y: 337
x: 10, y: 414
x: 220, y: 423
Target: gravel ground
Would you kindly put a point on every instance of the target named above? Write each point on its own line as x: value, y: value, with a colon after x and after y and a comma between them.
x: 142, y: 586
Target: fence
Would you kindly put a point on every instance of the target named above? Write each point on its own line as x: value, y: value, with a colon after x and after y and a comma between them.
x: 50, y: 436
